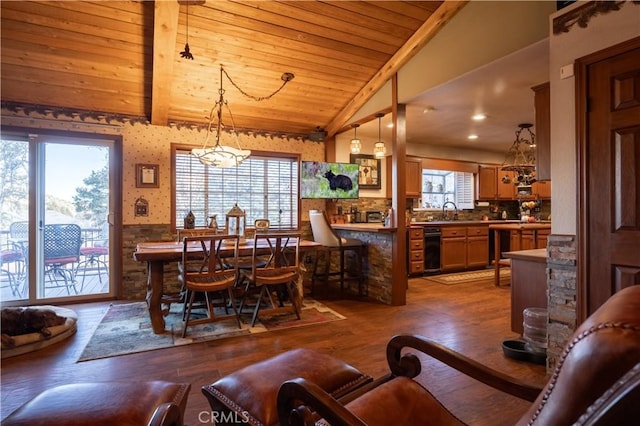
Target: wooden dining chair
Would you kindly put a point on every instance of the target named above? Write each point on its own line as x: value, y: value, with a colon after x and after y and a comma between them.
x: 277, y: 277
x: 203, y: 271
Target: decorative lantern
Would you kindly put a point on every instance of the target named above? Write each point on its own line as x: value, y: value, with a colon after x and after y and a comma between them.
x: 235, y: 221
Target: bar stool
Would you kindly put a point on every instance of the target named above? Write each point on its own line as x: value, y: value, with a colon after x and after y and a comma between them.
x: 332, y: 242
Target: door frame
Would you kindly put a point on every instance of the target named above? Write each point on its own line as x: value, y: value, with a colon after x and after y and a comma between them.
x: 115, y: 177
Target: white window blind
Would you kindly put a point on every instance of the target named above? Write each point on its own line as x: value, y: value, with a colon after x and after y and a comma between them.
x: 464, y: 190
x: 265, y: 187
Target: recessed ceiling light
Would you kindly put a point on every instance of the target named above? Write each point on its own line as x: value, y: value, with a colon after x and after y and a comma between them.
x: 478, y: 117
x: 428, y: 109
x: 472, y: 137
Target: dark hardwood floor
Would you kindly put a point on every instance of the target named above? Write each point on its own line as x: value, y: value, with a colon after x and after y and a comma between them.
x: 470, y: 318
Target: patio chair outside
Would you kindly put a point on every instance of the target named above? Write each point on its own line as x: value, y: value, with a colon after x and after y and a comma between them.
x: 62, y: 244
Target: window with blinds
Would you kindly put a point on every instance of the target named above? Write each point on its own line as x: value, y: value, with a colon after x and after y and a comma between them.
x: 265, y: 187
x: 440, y: 186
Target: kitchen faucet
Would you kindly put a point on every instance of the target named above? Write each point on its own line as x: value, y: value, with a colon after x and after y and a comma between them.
x: 455, y: 215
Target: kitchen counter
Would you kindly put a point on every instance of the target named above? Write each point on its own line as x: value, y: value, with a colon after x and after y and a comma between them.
x: 534, y: 255
x: 363, y: 227
x: 478, y: 222
x: 520, y: 226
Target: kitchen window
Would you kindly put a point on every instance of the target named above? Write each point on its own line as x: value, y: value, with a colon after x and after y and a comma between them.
x: 440, y: 186
x: 265, y: 186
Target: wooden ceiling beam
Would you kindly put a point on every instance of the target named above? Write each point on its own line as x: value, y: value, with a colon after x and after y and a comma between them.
x: 165, y: 31
x: 429, y: 29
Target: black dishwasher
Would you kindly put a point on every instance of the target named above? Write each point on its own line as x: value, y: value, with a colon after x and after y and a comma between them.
x: 431, y: 250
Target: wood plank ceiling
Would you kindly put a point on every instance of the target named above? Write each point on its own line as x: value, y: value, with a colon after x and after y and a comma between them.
x: 122, y: 58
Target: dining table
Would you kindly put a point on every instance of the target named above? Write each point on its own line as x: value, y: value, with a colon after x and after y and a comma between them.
x: 157, y: 253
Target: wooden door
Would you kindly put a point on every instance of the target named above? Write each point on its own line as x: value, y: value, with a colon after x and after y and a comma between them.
x: 608, y: 216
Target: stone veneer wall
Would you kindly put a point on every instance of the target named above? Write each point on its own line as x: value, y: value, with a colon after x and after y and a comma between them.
x: 377, y: 264
x: 561, y: 294
x: 493, y: 211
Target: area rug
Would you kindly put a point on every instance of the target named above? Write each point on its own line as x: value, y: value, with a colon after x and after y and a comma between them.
x: 465, y: 277
x: 126, y: 328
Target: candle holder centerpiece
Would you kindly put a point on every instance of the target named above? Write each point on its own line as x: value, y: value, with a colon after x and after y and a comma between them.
x: 235, y: 222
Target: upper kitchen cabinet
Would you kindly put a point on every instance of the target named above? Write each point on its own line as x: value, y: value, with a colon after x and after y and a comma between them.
x: 542, y: 101
x: 542, y: 190
x: 507, y: 190
x: 413, y: 175
x: 495, y: 184
x: 486, y: 182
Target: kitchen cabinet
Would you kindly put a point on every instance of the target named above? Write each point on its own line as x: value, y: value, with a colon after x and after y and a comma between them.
x: 542, y: 106
x: 506, y: 188
x: 541, y: 238
x: 413, y: 176
x: 416, y: 250
x: 453, y: 248
x: 542, y: 190
x: 487, y: 183
x: 477, y: 246
x: 464, y: 247
x: 490, y: 185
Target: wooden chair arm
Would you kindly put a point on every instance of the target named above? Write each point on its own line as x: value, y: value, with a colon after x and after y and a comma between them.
x: 408, y: 365
x: 297, y: 396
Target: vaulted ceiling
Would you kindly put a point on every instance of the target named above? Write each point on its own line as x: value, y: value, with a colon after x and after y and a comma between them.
x: 122, y: 58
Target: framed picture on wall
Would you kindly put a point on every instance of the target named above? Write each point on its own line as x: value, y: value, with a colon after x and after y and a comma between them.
x: 147, y: 176
x: 369, y: 170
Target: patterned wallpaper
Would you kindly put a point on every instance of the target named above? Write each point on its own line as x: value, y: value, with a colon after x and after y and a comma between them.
x: 149, y: 144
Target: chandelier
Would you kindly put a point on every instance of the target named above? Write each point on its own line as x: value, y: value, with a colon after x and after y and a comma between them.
x: 521, y: 156
x: 223, y: 156
x: 379, y: 150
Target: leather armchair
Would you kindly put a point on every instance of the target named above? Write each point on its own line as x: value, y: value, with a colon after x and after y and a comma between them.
x: 598, y: 362
x: 153, y: 403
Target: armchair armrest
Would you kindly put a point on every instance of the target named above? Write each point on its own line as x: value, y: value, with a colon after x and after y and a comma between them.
x: 408, y: 365
x: 296, y: 395
x: 167, y: 414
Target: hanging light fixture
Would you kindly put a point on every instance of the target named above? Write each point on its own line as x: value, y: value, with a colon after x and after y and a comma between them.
x: 186, y: 53
x: 379, y: 150
x: 355, y: 142
x: 221, y: 155
x: 521, y: 158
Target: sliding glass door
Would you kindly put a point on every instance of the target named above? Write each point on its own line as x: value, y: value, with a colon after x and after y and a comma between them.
x: 57, y: 217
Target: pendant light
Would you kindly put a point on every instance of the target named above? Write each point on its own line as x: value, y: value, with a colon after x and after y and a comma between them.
x: 379, y: 150
x: 355, y: 142
x: 224, y: 156
x: 186, y: 53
